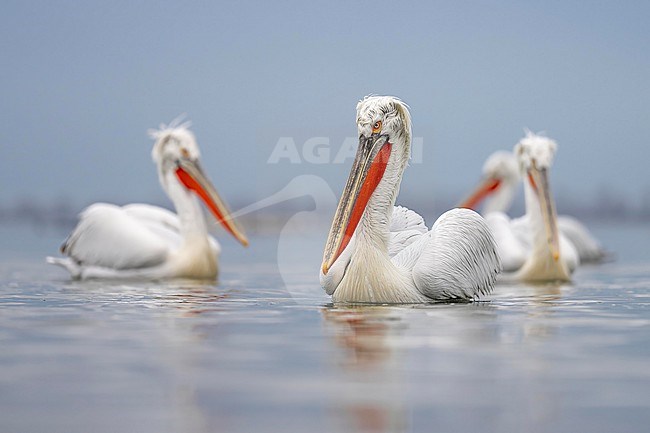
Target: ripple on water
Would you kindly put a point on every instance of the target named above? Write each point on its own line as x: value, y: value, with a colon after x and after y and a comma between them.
x: 250, y: 354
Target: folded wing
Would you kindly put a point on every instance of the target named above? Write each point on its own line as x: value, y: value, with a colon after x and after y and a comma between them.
x: 458, y: 257
x: 113, y: 237
x: 588, y: 248
x: 406, y: 227
x: 510, y: 237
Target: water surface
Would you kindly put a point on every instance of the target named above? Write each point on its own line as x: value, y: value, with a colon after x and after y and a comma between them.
x: 264, y: 350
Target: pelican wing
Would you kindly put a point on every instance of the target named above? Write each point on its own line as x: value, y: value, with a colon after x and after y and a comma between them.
x: 587, y: 247
x: 164, y: 223
x: 158, y: 220
x: 111, y: 237
x: 458, y: 257
x: 510, y: 237
x: 406, y: 227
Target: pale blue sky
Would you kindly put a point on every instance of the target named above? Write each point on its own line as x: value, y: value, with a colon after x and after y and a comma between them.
x: 82, y: 81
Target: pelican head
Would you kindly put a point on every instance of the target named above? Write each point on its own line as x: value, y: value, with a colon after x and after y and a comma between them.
x: 535, y: 156
x: 500, y: 179
x: 501, y: 165
x: 177, y: 156
x: 384, y: 127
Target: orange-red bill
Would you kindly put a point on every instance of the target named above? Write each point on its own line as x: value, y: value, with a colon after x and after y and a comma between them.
x: 374, y: 176
x: 532, y: 181
x: 366, y: 173
x: 487, y: 187
x: 539, y: 181
x: 193, y: 178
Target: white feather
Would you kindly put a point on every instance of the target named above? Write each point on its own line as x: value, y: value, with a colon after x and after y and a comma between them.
x: 392, y: 257
x: 511, y: 246
x: 107, y: 236
x: 587, y: 246
x: 503, y: 166
x: 143, y: 241
x: 406, y: 227
x: 529, y: 234
x: 458, y: 258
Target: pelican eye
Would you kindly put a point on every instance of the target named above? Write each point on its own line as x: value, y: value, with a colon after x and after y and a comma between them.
x: 185, y: 152
x: 376, y: 127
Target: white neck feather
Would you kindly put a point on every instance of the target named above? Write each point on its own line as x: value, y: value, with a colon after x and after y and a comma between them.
x: 195, y: 257
x: 371, y: 276
x: 540, y: 264
x: 188, y: 208
x: 501, y: 199
x: 534, y: 215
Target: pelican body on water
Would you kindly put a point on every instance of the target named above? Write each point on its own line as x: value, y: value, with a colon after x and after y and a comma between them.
x: 532, y: 247
x: 140, y: 241
x: 501, y: 179
x: 379, y: 253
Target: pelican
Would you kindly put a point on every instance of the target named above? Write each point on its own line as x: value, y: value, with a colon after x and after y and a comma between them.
x: 499, y: 185
x: 378, y: 253
x: 140, y: 241
x: 531, y: 247
x: 497, y: 189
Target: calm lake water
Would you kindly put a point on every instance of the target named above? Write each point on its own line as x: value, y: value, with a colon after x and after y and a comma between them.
x: 265, y: 351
